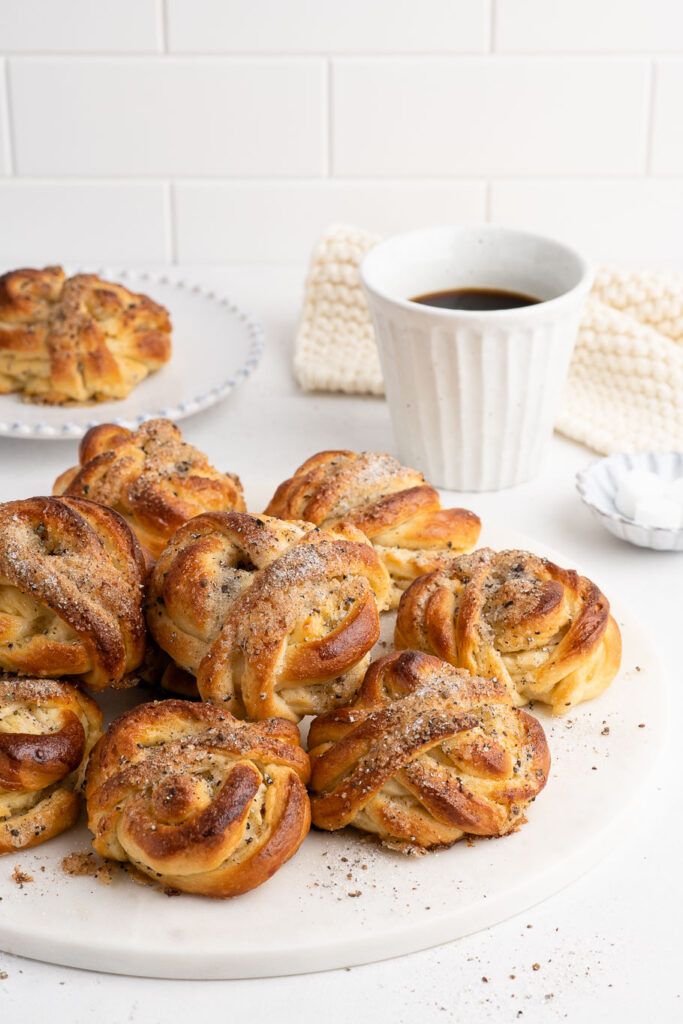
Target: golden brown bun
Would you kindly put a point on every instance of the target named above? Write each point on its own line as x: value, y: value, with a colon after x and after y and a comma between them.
x: 196, y: 799
x: 47, y: 730
x: 153, y: 478
x: 425, y: 754
x: 77, y: 339
x: 71, y: 578
x: 272, y: 617
x: 392, y: 505
x: 546, y: 633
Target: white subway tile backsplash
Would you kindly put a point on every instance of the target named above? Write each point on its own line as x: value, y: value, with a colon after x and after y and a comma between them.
x: 516, y: 116
x: 309, y: 26
x: 667, y: 129
x: 82, y: 222
x: 535, y: 26
x: 631, y: 221
x: 79, y: 25
x: 168, y: 117
x: 221, y: 130
x: 253, y: 222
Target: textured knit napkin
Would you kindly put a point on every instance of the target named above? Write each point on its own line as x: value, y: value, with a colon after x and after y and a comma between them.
x: 625, y: 386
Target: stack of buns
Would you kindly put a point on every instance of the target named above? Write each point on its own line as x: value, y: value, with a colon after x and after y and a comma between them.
x: 145, y: 567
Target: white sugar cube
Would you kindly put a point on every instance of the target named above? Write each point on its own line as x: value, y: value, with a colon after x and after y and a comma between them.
x: 674, y: 490
x: 633, y: 485
x: 655, y: 510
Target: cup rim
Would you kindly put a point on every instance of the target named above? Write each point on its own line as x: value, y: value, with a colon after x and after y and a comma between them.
x: 537, y: 310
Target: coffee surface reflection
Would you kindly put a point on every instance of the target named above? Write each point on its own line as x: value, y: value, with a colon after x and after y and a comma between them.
x: 476, y: 299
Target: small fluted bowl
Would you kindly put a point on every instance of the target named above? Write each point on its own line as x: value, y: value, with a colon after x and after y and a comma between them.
x: 597, y: 486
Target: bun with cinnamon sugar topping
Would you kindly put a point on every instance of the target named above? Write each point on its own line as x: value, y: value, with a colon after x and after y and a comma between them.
x: 47, y: 730
x: 545, y: 632
x: 196, y: 799
x: 426, y: 754
x: 71, y: 580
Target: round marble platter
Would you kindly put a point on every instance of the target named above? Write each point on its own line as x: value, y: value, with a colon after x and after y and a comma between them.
x: 343, y: 899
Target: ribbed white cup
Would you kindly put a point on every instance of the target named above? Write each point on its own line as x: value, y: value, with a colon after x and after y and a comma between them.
x: 473, y: 395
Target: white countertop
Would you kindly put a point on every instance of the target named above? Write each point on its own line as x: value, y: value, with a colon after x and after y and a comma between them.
x: 606, y: 946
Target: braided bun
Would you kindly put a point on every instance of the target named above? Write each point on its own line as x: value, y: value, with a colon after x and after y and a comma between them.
x: 392, y: 505
x: 273, y: 618
x: 71, y: 578
x: 546, y: 633
x: 77, y: 339
x: 196, y: 799
x: 47, y: 730
x: 426, y: 754
x: 153, y: 478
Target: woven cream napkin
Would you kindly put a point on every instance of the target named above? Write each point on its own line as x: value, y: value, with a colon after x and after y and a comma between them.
x: 625, y: 386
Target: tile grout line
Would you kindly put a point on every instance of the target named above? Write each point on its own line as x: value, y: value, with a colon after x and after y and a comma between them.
x: 493, y: 13
x: 329, y: 156
x: 652, y: 99
x: 622, y: 56
x: 360, y: 181
x: 8, y: 134
x: 171, y: 226
x: 162, y: 22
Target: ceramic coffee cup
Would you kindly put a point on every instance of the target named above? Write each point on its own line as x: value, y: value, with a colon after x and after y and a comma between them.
x: 473, y: 395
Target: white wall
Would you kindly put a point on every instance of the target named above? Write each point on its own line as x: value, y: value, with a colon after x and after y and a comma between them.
x: 236, y: 130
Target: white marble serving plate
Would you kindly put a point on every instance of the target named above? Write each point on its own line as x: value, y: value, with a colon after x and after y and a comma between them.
x: 216, y: 346
x: 597, y: 486
x: 306, y: 918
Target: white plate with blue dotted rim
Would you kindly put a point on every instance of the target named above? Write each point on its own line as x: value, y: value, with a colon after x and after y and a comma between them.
x: 216, y: 346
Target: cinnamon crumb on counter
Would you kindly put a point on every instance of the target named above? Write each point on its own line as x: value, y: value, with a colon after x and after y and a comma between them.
x: 84, y: 864
x: 21, y: 877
